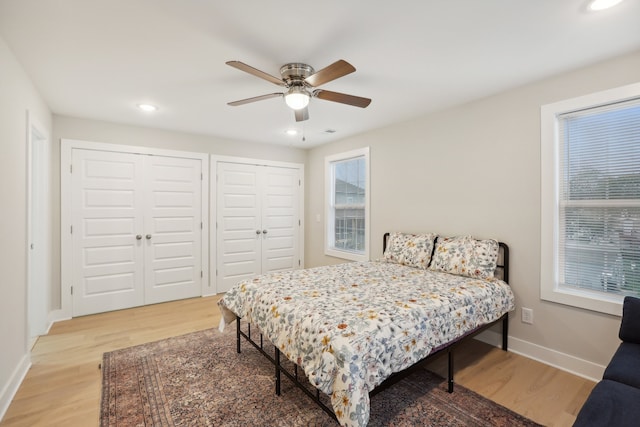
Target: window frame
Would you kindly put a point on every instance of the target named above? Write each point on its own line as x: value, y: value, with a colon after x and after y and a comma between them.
x: 329, y: 223
x: 550, y: 226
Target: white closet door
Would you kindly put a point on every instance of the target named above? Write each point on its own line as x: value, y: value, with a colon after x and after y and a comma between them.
x: 238, y: 224
x: 173, y: 228
x: 107, y: 209
x: 257, y: 219
x: 280, y: 218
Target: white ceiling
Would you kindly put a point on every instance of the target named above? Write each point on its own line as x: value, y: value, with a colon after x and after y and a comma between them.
x: 99, y: 58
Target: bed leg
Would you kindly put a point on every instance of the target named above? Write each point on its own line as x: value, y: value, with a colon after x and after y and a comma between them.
x: 277, y: 357
x: 238, y: 334
x: 505, y: 332
x: 450, y: 379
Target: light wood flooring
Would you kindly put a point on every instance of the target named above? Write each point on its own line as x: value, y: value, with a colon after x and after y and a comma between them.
x: 63, y: 385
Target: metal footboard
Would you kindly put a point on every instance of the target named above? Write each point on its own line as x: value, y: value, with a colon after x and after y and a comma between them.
x: 280, y: 369
x: 448, y: 349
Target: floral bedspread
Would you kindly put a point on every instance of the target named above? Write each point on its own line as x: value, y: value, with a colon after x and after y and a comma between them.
x: 350, y: 326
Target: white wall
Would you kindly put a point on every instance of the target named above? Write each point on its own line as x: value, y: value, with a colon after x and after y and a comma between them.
x: 98, y: 131
x: 475, y: 169
x: 17, y: 95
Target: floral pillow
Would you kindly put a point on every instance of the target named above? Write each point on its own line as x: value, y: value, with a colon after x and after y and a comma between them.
x: 465, y: 256
x: 413, y: 250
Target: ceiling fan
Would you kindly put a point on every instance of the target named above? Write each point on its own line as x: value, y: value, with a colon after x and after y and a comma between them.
x: 301, y: 81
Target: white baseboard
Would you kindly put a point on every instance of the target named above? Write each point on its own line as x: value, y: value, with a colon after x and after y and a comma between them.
x: 566, y: 362
x: 49, y: 325
x: 57, y: 316
x: 209, y: 294
x: 11, y: 388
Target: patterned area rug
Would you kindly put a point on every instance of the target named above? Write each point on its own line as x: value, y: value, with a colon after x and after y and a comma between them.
x: 198, y: 379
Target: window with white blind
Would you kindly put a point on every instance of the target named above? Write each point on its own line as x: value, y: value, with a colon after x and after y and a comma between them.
x: 347, y: 203
x: 591, y: 200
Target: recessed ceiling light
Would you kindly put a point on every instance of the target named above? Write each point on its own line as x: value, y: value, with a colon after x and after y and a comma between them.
x: 147, y: 107
x: 602, y: 4
x: 292, y: 132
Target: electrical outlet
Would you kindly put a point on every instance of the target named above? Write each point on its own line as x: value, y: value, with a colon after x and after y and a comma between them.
x: 527, y: 315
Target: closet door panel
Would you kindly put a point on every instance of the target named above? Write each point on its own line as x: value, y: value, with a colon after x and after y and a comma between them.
x: 238, y: 223
x: 173, y: 224
x: 107, y: 205
x: 280, y: 218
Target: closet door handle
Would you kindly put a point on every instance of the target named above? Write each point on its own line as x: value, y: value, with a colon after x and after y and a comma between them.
x: 258, y: 231
x: 148, y: 236
x: 139, y: 237
x: 264, y: 231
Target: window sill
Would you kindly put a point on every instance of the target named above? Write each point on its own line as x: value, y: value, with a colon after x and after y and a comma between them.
x: 581, y: 298
x: 351, y: 256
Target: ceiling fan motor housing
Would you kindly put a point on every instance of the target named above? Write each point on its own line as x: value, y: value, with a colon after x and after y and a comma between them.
x: 294, y: 73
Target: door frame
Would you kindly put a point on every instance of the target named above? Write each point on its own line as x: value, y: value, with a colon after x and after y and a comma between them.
x: 66, y: 242
x: 215, y: 159
x: 38, y: 291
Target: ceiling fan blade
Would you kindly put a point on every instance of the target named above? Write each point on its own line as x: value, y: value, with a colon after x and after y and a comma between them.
x: 249, y: 69
x: 254, y: 99
x: 302, y: 114
x: 343, y: 98
x: 336, y: 70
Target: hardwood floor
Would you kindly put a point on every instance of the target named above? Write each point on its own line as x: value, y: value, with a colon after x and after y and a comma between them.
x: 63, y: 386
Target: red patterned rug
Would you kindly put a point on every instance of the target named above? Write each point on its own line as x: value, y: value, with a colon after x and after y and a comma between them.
x: 198, y: 379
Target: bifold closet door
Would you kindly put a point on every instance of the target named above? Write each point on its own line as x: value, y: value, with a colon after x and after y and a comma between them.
x: 173, y: 229
x: 137, y: 230
x: 108, y: 207
x: 257, y: 221
x: 238, y: 224
x: 280, y: 218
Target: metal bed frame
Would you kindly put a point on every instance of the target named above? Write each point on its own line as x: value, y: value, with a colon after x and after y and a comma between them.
x: 448, y: 348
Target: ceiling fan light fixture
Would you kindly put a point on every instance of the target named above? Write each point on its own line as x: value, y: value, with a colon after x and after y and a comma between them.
x: 297, y: 98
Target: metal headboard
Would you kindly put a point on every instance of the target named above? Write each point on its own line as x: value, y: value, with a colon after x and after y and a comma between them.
x: 502, y: 267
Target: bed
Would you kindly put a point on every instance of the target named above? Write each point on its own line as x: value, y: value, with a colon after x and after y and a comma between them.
x: 355, y: 328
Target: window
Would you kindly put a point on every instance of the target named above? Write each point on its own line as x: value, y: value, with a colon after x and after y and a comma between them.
x: 347, y: 202
x: 591, y: 200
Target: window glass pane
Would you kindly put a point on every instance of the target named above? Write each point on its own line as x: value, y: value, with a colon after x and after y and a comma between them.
x: 602, y: 154
x: 600, y: 249
x: 599, y: 210
x: 349, y: 204
x: 349, y: 229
